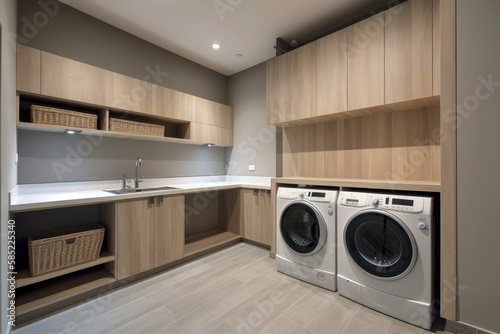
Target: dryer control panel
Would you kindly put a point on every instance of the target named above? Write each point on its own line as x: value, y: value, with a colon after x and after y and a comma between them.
x: 410, y: 204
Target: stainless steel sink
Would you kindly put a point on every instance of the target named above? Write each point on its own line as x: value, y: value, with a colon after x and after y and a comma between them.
x: 137, y: 190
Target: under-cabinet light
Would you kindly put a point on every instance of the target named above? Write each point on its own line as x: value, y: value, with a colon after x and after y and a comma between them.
x: 210, y: 144
x: 71, y: 132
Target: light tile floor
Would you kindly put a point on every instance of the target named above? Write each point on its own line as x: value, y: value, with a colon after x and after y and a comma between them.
x: 236, y: 290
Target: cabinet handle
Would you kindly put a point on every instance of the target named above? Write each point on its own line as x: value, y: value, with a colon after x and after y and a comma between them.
x: 255, y: 192
x: 151, y: 201
x: 160, y: 199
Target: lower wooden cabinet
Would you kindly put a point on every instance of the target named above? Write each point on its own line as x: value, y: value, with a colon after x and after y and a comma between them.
x: 169, y: 229
x: 150, y: 233
x: 256, y: 216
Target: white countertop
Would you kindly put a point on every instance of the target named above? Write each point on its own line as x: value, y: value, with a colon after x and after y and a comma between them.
x: 27, y: 197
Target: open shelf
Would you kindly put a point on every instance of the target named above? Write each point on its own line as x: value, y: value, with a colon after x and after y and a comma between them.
x: 175, y: 131
x: 206, y: 243
x: 61, y: 289
x: 24, y: 278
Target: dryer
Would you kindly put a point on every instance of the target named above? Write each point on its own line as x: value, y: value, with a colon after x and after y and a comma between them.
x: 306, y: 235
x: 385, y: 254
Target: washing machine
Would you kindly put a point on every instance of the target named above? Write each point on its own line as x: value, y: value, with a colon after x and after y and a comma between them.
x: 385, y: 254
x: 306, y: 235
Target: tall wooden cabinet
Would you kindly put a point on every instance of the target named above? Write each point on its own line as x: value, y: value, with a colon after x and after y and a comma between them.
x: 303, y: 82
x: 331, y: 73
x: 278, y: 89
x: 408, y: 51
x: 365, y: 63
x: 150, y: 233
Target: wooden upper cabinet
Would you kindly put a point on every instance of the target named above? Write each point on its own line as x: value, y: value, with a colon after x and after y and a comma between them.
x: 436, y: 48
x: 172, y: 104
x: 212, y: 122
x: 303, y: 64
x: 169, y: 229
x: 365, y: 63
x: 136, y: 236
x: 72, y: 80
x: 332, y: 73
x: 28, y: 69
x: 129, y: 94
x: 408, y: 51
x: 278, y: 89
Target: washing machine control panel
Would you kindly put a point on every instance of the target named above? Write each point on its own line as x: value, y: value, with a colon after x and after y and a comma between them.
x: 321, y: 196
x: 409, y: 204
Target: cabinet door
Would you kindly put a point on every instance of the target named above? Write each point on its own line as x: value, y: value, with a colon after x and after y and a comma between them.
x: 172, y: 104
x: 129, y: 94
x: 205, y: 111
x: 303, y: 64
x: 365, y: 63
x: 257, y: 220
x: 72, y: 80
x: 408, y: 51
x: 28, y: 69
x: 332, y: 73
x: 136, y: 239
x: 169, y: 229
x: 278, y: 89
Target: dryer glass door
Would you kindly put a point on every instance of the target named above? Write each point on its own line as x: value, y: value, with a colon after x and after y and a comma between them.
x: 380, y: 244
x: 303, y: 228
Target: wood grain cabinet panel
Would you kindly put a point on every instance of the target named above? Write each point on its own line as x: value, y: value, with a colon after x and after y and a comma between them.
x: 205, y: 111
x: 129, y: 94
x: 171, y: 103
x: 332, y: 73
x: 365, y: 63
x: 136, y: 237
x: 72, y: 80
x: 278, y: 89
x: 169, y: 229
x: 436, y: 48
x: 303, y: 64
x: 28, y: 69
x: 257, y: 220
x: 408, y: 51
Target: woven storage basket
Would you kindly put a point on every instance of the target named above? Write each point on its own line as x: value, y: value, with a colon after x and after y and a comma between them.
x: 139, y: 128
x: 54, y: 116
x: 56, y: 250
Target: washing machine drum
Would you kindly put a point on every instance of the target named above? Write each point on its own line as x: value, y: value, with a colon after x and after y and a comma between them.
x: 380, y: 244
x: 303, y: 228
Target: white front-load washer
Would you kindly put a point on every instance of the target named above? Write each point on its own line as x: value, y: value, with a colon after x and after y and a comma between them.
x: 385, y: 254
x: 306, y: 235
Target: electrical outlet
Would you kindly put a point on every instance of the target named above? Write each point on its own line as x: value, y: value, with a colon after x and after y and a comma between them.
x: 251, y: 167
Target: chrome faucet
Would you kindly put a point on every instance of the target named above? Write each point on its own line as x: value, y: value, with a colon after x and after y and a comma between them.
x: 138, y: 165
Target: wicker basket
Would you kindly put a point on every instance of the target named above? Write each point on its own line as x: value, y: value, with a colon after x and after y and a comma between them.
x: 54, y: 116
x: 56, y: 250
x: 139, y: 128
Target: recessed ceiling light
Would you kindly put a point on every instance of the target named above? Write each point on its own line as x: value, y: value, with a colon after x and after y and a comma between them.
x: 239, y: 55
x: 216, y: 46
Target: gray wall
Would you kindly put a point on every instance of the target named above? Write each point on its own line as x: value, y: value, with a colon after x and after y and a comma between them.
x: 8, y: 175
x: 54, y: 157
x: 254, y: 140
x: 478, y: 55
x: 73, y: 34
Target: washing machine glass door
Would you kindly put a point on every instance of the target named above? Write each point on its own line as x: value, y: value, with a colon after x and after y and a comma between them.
x: 303, y: 228
x: 380, y: 244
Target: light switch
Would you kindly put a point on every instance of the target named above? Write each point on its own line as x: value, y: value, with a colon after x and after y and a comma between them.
x: 251, y: 167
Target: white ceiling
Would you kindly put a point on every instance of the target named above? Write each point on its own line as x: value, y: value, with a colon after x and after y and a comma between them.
x: 248, y: 27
